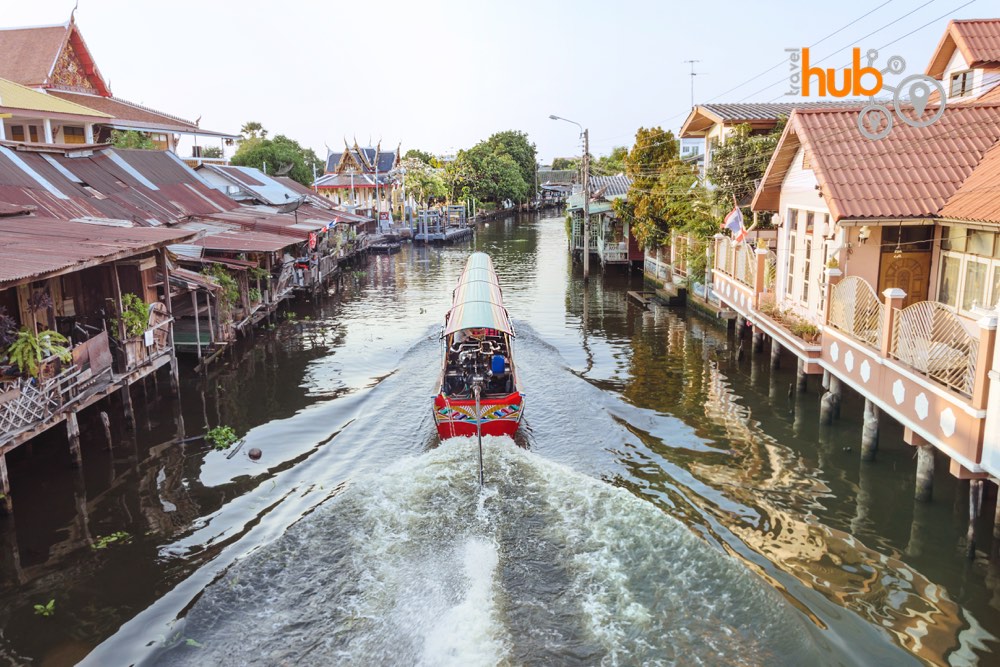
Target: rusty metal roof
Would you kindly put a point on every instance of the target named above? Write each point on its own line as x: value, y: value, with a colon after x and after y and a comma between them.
x: 32, y: 247
x: 246, y: 241
x: 910, y: 173
x: 145, y: 187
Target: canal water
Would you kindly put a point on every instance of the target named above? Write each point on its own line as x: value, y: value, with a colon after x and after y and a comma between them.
x: 665, y: 502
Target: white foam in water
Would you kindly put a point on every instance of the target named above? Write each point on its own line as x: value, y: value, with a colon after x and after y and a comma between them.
x: 464, y: 634
x: 419, y: 566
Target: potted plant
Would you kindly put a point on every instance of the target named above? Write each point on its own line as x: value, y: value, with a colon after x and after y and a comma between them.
x: 29, y: 350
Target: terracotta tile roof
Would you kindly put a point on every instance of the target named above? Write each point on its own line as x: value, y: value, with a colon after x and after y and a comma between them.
x: 978, y: 40
x: 978, y: 199
x: 124, y: 110
x: 28, y: 54
x: 911, y: 173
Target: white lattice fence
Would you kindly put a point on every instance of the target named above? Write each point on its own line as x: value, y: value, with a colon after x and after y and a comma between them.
x: 855, y: 309
x: 933, y: 340
x: 770, y: 271
x: 748, y: 265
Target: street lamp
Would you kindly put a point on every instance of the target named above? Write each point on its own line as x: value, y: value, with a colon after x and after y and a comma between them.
x: 586, y: 194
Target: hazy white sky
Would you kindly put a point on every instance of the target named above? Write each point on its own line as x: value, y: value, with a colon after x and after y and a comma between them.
x: 443, y: 75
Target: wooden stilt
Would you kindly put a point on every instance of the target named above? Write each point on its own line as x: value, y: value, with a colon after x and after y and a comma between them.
x: 6, y: 505
x: 775, y: 354
x: 869, y: 432
x: 168, y: 302
x: 975, y: 502
x: 801, y: 378
x: 106, y: 421
x: 758, y: 341
x: 925, y: 473
x: 126, y: 397
x: 73, y: 433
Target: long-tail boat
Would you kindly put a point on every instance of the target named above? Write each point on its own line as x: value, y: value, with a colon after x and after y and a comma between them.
x: 479, y: 392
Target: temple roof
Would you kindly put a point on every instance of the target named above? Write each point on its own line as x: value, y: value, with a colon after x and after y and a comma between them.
x: 29, y: 56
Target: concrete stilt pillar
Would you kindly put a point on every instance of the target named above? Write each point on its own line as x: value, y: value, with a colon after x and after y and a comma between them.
x: 829, y: 406
x: 869, y: 432
x: 126, y: 397
x: 919, y: 528
x: 73, y: 434
x: 975, y: 502
x: 996, y: 528
x: 801, y: 378
x: 6, y: 505
x: 925, y: 473
x: 758, y: 341
x: 775, y: 354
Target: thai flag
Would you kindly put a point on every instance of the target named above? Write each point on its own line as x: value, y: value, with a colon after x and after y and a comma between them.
x: 734, y: 223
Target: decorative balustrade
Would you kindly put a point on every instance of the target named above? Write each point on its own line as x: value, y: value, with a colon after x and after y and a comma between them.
x: 856, y: 309
x: 933, y: 340
x: 736, y: 260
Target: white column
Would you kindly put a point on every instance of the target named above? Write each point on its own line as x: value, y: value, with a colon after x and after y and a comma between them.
x: 48, y: 131
x: 3, y: 131
x: 88, y: 132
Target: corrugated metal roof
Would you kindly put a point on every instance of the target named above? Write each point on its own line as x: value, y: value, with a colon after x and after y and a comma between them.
x: 246, y: 241
x: 263, y: 188
x: 32, y: 247
x: 910, y: 173
x: 612, y: 186
x: 15, y: 96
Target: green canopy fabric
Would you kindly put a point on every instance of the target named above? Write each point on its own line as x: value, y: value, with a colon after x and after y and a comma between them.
x: 477, y: 302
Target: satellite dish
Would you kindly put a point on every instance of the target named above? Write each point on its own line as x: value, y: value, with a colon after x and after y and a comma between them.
x: 291, y: 206
x: 284, y: 169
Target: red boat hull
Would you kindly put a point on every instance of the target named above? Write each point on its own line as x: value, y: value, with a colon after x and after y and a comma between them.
x: 457, y: 417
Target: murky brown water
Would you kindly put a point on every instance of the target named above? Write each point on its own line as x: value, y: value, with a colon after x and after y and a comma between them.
x: 668, y: 504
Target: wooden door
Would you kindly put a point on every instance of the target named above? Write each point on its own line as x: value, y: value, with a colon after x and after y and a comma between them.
x: 911, y: 273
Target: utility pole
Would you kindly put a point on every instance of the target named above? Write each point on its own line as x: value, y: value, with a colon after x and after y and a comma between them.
x: 693, y: 75
x: 586, y: 205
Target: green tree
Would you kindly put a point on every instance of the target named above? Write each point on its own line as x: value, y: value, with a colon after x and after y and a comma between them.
x: 423, y: 156
x: 423, y: 181
x: 211, y: 151
x: 132, y: 139
x: 652, y: 166
x: 253, y: 130
x: 270, y: 155
x: 515, y: 144
x: 563, y: 163
x: 499, y: 179
x: 739, y: 164
x: 609, y: 165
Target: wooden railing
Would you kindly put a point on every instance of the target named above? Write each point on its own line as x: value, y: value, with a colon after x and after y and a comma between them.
x: 855, y: 309
x: 27, y: 402
x: 933, y: 340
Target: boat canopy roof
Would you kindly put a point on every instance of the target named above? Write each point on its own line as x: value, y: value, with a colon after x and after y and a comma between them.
x: 477, y: 302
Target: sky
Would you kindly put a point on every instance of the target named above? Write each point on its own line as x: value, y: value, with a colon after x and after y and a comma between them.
x: 441, y: 76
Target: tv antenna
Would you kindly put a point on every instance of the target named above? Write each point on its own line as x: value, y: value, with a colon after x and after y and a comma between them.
x: 693, y: 75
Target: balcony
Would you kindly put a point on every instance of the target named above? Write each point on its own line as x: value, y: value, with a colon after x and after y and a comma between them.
x: 923, y: 365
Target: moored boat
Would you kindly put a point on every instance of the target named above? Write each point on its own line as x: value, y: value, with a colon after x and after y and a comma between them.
x: 478, y: 383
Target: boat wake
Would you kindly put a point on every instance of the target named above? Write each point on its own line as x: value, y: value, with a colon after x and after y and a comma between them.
x: 544, y: 565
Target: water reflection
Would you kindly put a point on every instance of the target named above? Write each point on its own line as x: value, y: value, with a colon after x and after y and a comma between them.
x: 654, y: 401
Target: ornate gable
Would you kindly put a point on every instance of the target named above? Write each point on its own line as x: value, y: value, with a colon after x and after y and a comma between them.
x: 349, y: 161
x: 74, y: 70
